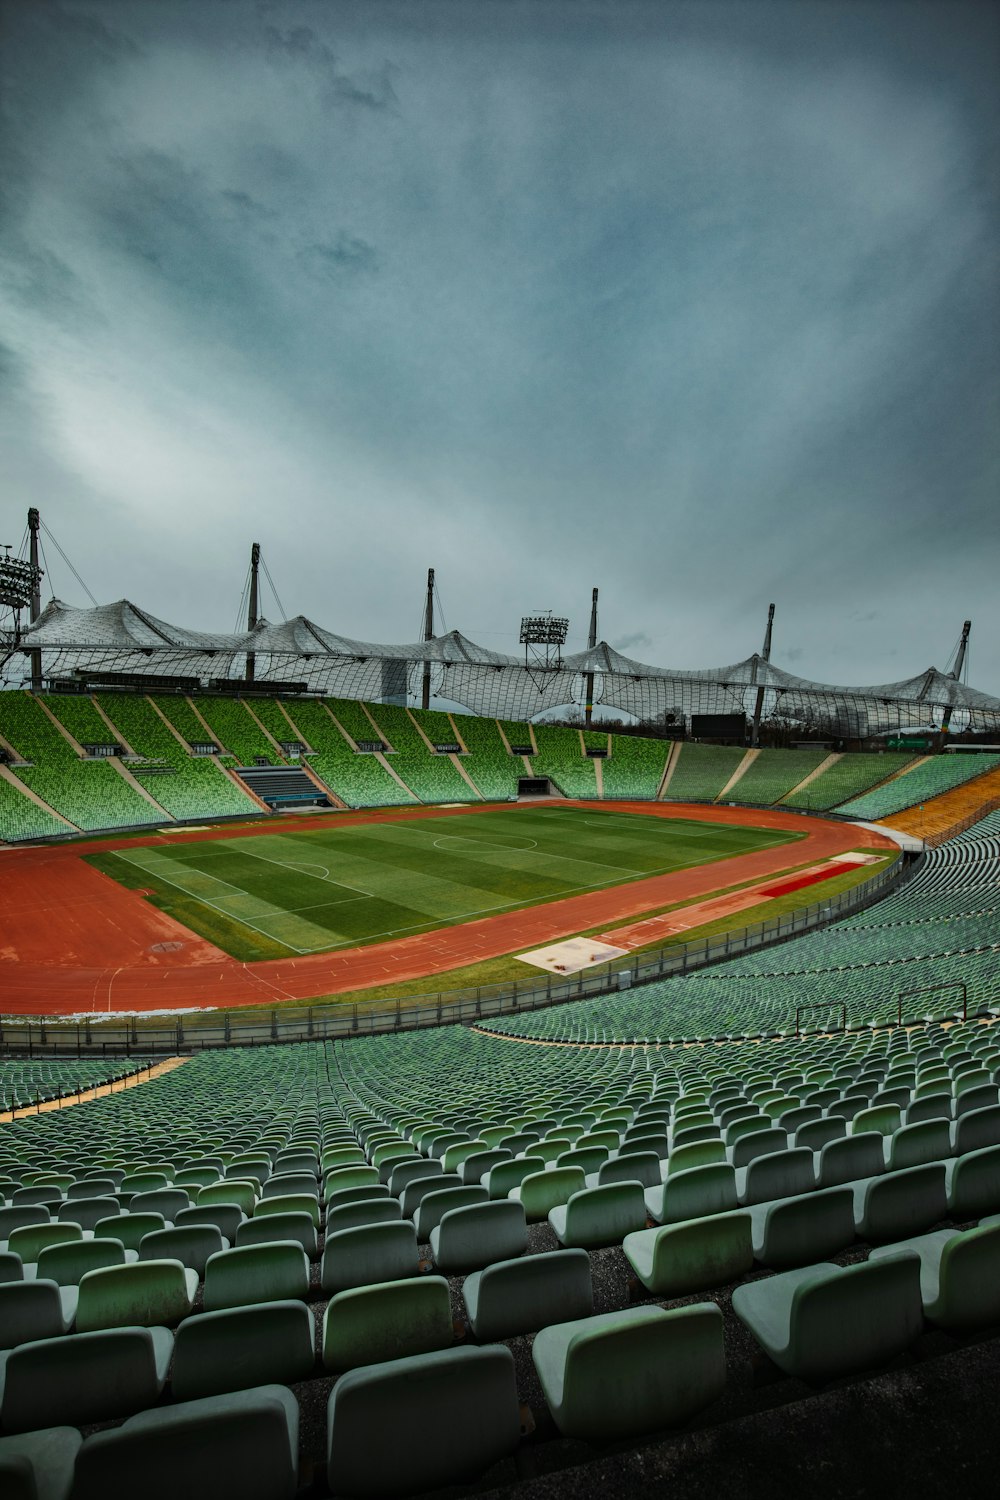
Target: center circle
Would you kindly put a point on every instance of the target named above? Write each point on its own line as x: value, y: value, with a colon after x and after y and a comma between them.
x: 449, y: 841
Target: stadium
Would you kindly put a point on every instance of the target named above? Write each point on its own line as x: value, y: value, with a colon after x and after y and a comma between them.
x: 555, y: 1097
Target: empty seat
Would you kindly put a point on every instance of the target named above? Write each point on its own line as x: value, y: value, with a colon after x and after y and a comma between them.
x: 15, y: 1218
x: 240, y: 1347
x: 973, y: 1183
x: 506, y: 1175
x: 680, y: 1258
x: 146, y: 1293
x: 165, y: 1201
x: 850, y: 1159
x: 434, y: 1206
x: 798, y: 1231
x: 34, y: 1310
x: 256, y: 1273
x: 824, y: 1321
x: 412, y: 1171
x: 67, y: 1264
x: 959, y: 1275
x: 816, y: 1133
x: 540, y: 1191
x: 345, y: 1196
x: 642, y: 1167
x: 11, y: 1266
x: 191, y: 1244
x: 759, y: 1143
x: 912, y: 1145
x: 233, y: 1190
x: 369, y: 1254
x: 85, y: 1377
x: 470, y: 1237
x: 87, y: 1212
x: 131, y: 1229
x: 350, y: 1176
x: 31, y: 1239
x: 700, y: 1154
x: 693, y: 1194
x: 298, y: 1227
x: 629, y: 1372
x: 245, y: 1445
x: 451, y: 1415
x: 973, y: 1131
x: 289, y: 1203
x: 283, y: 1183
x: 779, y: 1174
x: 900, y: 1203
x: 390, y: 1320
x: 416, y: 1191
x: 475, y: 1166
x: 883, y: 1118
x: 519, y: 1296
x: 600, y: 1215
x: 39, y: 1465
x: 227, y: 1217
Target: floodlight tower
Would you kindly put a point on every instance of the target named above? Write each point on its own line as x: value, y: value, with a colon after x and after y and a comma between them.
x: 34, y: 524
x: 956, y: 672
x: 253, y: 610
x: 543, y: 637
x: 591, y: 642
x: 425, y: 694
x: 765, y: 655
x: 20, y: 588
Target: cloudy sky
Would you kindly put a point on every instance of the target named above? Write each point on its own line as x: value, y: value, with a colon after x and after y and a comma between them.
x: 694, y: 302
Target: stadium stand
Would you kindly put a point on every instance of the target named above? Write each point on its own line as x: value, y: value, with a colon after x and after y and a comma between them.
x: 701, y: 771
x: 231, y: 723
x: 489, y: 763
x: 562, y: 760
x: 76, y: 712
x: 772, y: 773
x: 187, y: 786
x: 22, y: 819
x: 436, y: 725
x: 929, y: 778
x: 635, y: 767
x: 357, y: 779
x: 517, y: 732
x: 274, y: 720
x: 848, y: 777
x: 433, y: 778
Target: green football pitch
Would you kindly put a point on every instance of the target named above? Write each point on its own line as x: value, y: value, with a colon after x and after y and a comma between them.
x: 312, y: 890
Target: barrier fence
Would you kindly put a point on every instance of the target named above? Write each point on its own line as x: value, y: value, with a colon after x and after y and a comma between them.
x: 193, y: 1031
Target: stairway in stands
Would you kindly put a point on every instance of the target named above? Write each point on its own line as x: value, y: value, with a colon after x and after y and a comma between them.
x: 282, y: 786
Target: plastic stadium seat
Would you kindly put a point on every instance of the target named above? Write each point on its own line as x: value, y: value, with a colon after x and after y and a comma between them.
x: 824, y: 1321
x: 289, y: 1203
x: 131, y: 1229
x: 232, y: 1190
x: 85, y: 1377
x: 470, y: 1237
x: 451, y: 1415
x: 900, y: 1203
x: 630, y: 1372
x: 759, y: 1143
x: 850, y: 1159
x: 781, y: 1174
x: 912, y: 1145
x: 540, y: 1191
x: 17, y: 1218
x: 11, y: 1266
x: 34, y: 1310
x: 273, y: 1272
x: 366, y: 1211
x: 298, y: 1227
x: 166, y: 1201
x: 475, y: 1166
x: 795, y: 1231
x: 434, y: 1206
x: 599, y: 1215
x: 693, y: 1194
x: 191, y: 1244
x: 39, y: 1465
x: 929, y: 1107
x: 349, y: 1176
x: 237, y: 1447
x: 67, y: 1264
x: 642, y: 1167
x: 506, y: 1175
x: 416, y: 1191
x: 817, y: 1133
x: 700, y: 1154
x: 31, y: 1239
x: 959, y: 1276
x: 411, y: 1171
x: 369, y: 1254
x: 343, y: 1196
x: 146, y: 1293
x: 680, y: 1258
x: 393, y: 1319
x: 519, y: 1296
x: 240, y: 1347
x: 978, y: 1128
x: 227, y: 1218
x: 973, y: 1183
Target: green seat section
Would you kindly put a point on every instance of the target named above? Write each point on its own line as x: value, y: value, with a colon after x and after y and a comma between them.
x: 130, y: 1228
x: 779, y: 1174
x: 191, y: 1244
x: 88, y: 1212
x: 475, y: 1166
x: 468, y: 1237
x: 519, y: 1296
x: 642, y: 1167
x: 973, y: 1183
x: 560, y: 756
x: 796, y: 1231
x: 979, y: 1128
x: 146, y: 1293
x: 245, y: 1444
x: 226, y: 1217
x: 67, y: 1264
x: 405, y: 1172
x: 84, y: 1378
x: 541, y: 1191
x: 297, y: 1227
x: 452, y: 1414
x: 434, y: 1206
x: 494, y: 771
x: 34, y: 1310
x: 240, y: 1347
x: 900, y: 1203
x: 599, y: 1215
x: 22, y: 819
x: 693, y: 1194
x: 850, y: 1158
x: 773, y: 774
x: 390, y: 1320
x: 634, y: 769
x: 701, y: 771
x: 506, y: 1175
x: 692, y: 1257
x: 274, y: 1272
x: 369, y: 1254
x: 959, y: 1276
x: 357, y: 779
x: 912, y: 1145
x: 31, y: 1239
x: 928, y: 778
x: 187, y: 786
x: 639, y: 1370
x: 432, y: 777
x: 419, y: 1188
x: 39, y: 1465
x: 824, y: 1321
x: 847, y: 777
x: 289, y: 1203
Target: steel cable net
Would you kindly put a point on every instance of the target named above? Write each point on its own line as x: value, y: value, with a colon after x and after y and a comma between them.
x: 123, y: 638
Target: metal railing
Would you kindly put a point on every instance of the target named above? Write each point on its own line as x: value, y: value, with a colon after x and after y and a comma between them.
x: 194, y: 1031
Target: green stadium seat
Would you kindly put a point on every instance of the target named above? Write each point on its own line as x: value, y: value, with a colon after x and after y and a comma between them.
x: 88, y: 1212
x: 146, y: 1294
x: 693, y: 1194
x: 366, y: 1325
x: 912, y: 1145
x: 900, y: 1203
x: 541, y: 1191
x: 677, y: 1259
x: 39, y: 1465
x: 226, y: 1217
x: 796, y: 1231
x: 274, y: 1272
x: 781, y: 1174
x: 369, y: 1254
x: 191, y: 1244
x: 84, y: 1378
x: 11, y: 1266
x: 850, y: 1159
x: 32, y: 1310
x: 434, y: 1206
x: 31, y: 1239
x: 67, y: 1264
x: 237, y: 1348
x: 365, y: 1211
x: 959, y: 1276
x: 599, y: 1215
x: 130, y: 1228
x: 518, y: 1296
x: 468, y: 1237
x: 973, y: 1183
x: 507, y: 1175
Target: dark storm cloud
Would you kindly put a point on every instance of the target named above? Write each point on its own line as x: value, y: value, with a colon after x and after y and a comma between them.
x: 695, y: 302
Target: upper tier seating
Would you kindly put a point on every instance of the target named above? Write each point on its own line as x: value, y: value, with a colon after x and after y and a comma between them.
x: 433, y: 778
x: 773, y: 773
x: 929, y: 778
x: 234, y: 728
x: 490, y: 764
x: 635, y: 766
x: 357, y: 779
x: 701, y: 771
x: 849, y: 776
x: 561, y: 758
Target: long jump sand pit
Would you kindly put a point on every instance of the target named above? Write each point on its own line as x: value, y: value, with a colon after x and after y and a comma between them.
x: 72, y: 940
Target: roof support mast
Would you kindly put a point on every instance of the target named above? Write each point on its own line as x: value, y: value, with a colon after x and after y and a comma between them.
x: 591, y: 642
x: 34, y: 523
x: 253, y: 612
x: 765, y: 655
x: 425, y: 695
x: 956, y: 672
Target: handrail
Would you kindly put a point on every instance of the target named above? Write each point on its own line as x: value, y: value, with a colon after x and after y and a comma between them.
x: 930, y: 989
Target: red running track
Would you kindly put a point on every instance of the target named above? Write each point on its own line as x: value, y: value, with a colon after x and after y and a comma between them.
x: 72, y: 940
